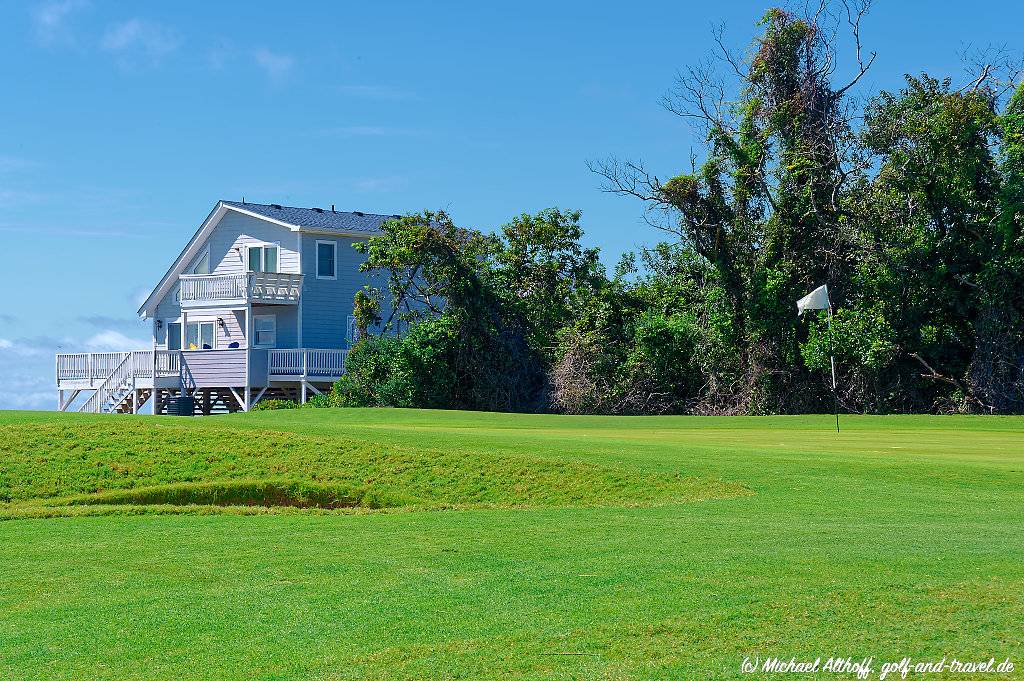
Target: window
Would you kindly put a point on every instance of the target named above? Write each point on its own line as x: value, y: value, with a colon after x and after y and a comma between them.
x: 202, y: 265
x: 326, y: 260
x: 174, y: 336
x: 264, y: 331
x: 199, y: 336
x: 263, y: 258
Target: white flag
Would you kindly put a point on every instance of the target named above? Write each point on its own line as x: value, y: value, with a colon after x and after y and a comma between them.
x: 815, y: 300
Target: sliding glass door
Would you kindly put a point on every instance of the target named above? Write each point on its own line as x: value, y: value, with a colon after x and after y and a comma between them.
x: 200, y: 336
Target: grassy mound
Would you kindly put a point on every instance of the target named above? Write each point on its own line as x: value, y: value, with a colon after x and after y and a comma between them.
x: 111, y: 461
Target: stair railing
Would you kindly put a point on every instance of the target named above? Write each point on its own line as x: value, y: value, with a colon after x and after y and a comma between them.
x: 121, y: 375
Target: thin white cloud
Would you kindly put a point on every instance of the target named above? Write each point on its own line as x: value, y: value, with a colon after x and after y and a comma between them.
x: 107, y: 340
x: 115, y: 341
x: 373, y: 92
x: 139, y: 35
x: 39, y: 399
x: 51, y: 21
x: 138, y: 295
x: 26, y: 347
x: 276, y: 66
x: 28, y: 382
x: 105, y: 321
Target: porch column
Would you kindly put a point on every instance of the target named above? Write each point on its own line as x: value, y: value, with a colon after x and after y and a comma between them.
x: 248, y: 354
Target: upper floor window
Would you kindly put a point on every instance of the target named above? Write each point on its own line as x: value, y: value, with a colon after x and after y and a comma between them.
x: 326, y: 260
x: 202, y: 265
x: 263, y: 258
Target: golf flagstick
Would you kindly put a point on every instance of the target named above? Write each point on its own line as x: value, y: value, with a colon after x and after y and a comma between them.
x: 832, y: 361
x: 818, y: 299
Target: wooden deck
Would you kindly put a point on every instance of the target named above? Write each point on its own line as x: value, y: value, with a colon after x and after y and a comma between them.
x: 119, y: 380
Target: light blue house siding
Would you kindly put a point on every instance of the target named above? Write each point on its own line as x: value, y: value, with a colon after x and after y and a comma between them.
x: 287, y: 323
x: 236, y: 231
x: 327, y: 303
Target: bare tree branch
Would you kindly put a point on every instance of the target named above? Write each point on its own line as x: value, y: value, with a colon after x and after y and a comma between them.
x: 854, y: 15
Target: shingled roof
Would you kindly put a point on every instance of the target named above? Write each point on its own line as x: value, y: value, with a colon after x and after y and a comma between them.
x: 317, y: 219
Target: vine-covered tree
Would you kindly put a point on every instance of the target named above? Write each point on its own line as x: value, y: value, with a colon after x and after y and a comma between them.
x: 768, y: 207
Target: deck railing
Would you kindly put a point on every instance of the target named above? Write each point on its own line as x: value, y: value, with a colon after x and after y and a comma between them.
x: 98, y: 366
x: 122, y: 375
x: 198, y: 287
x: 168, y: 363
x: 87, y: 366
x: 256, y: 287
x: 275, y: 287
x: 311, y: 363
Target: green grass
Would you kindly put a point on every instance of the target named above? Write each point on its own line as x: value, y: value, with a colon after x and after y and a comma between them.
x: 101, y: 461
x: 657, y: 547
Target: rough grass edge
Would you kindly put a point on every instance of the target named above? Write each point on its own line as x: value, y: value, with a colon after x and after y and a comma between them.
x: 121, y: 503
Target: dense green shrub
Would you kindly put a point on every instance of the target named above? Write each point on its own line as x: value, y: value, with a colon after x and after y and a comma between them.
x: 267, y: 405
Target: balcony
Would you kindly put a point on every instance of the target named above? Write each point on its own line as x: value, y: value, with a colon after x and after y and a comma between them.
x: 267, y: 288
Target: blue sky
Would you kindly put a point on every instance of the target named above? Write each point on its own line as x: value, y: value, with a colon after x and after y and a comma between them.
x: 123, y: 123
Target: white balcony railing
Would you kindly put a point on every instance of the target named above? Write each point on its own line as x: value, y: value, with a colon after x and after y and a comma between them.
x: 311, y: 363
x: 256, y: 287
x: 95, y: 367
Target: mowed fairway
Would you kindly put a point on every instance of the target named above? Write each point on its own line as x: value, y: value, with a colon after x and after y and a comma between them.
x: 706, y: 540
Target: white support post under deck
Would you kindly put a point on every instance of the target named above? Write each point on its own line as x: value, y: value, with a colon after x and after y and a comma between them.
x: 248, y: 357
x: 305, y: 372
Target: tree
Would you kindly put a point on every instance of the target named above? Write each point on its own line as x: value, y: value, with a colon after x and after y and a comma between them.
x: 996, y: 371
x: 930, y: 229
x: 767, y: 208
x: 483, y: 309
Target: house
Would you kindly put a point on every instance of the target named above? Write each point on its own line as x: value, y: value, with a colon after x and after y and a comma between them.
x: 258, y: 304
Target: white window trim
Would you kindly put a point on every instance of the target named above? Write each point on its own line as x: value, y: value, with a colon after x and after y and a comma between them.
x: 195, y: 261
x: 167, y: 334
x: 261, y: 244
x: 334, y: 245
x: 255, y: 334
x: 184, y: 334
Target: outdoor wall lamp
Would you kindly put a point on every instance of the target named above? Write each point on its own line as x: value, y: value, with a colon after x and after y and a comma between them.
x: 159, y: 323
x: 220, y: 322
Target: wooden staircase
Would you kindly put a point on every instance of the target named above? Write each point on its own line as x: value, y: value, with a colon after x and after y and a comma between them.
x: 115, y: 393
